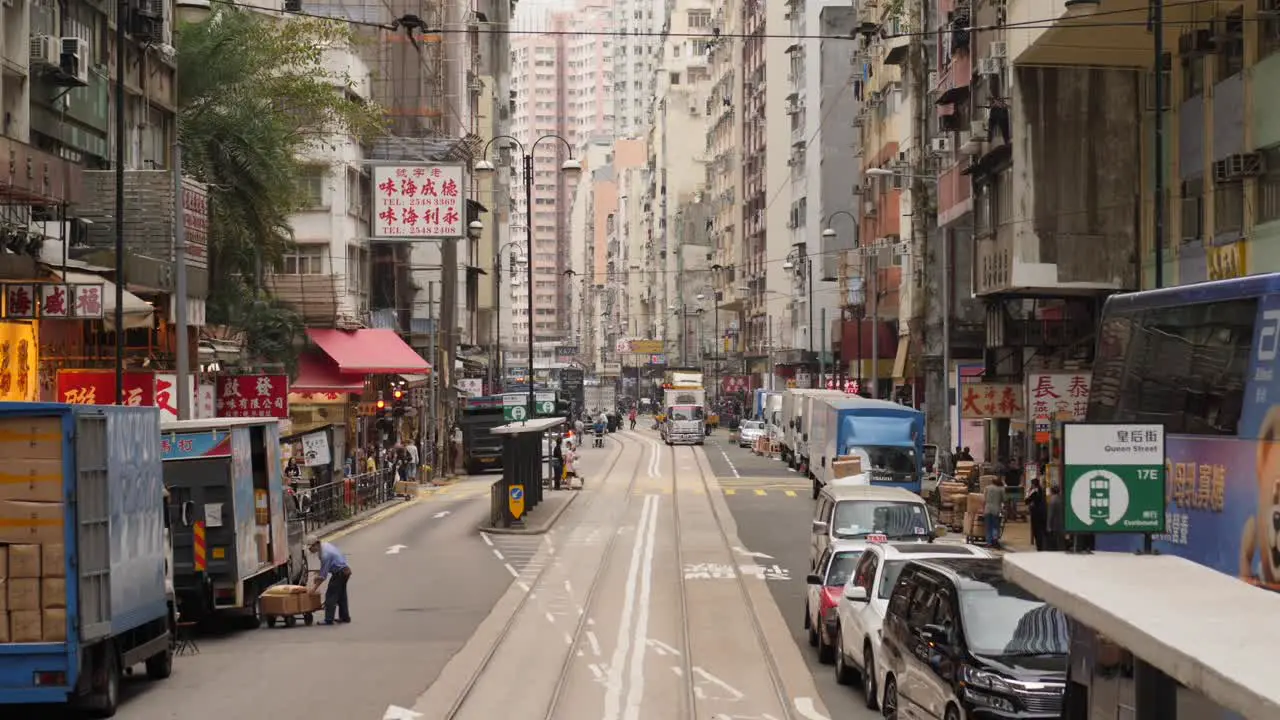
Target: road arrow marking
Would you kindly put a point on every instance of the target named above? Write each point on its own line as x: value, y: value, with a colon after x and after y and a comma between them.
x: 395, y: 549
x: 749, y: 553
x: 442, y: 513
x: 395, y: 712
x: 807, y: 709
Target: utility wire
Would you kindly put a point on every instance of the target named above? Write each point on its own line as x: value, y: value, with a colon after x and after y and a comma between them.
x: 1048, y: 23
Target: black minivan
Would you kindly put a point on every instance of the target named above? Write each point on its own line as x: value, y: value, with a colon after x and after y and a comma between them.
x: 963, y: 643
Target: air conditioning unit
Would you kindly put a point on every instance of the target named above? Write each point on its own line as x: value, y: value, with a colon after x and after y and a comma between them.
x: 941, y: 144
x: 75, y: 59
x: 293, y: 6
x: 988, y: 66
x: 1000, y: 49
x: 44, y: 52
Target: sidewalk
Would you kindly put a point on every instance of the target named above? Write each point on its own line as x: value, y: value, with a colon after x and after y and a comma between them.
x: 540, y: 519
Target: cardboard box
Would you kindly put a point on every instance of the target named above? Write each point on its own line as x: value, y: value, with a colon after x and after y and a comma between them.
x: 25, y: 626
x: 4, y: 627
x: 22, y: 521
x: 4, y: 562
x: 31, y: 479
x: 843, y: 467
x: 4, y: 600
x: 23, y: 594
x: 54, y: 625
x: 975, y: 503
x: 53, y: 593
x: 53, y: 560
x: 31, y: 438
x: 24, y: 561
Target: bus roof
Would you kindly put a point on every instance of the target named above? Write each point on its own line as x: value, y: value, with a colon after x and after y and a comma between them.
x: 1217, y: 290
x: 1209, y: 631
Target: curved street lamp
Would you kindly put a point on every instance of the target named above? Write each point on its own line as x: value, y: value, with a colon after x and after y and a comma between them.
x: 569, y: 167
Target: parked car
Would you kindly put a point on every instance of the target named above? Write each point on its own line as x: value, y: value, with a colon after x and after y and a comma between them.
x: 749, y: 431
x: 835, y: 567
x: 860, y: 611
x: 855, y: 515
x: 961, y: 641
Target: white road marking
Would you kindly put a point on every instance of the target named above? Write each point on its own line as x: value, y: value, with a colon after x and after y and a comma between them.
x: 395, y: 712
x: 732, y: 467
x: 614, y: 685
x: 749, y: 553
x: 677, y: 671
x: 595, y: 643
x: 595, y: 670
x: 663, y: 648
x: 805, y: 706
x: 442, y: 514
x: 511, y: 570
x: 568, y: 587
x: 523, y: 585
x: 395, y: 549
x: 635, y: 691
x: 497, y: 554
x: 551, y: 618
x: 487, y: 540
x: 737, y: 694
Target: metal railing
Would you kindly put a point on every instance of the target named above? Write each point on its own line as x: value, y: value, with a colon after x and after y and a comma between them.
x: 323, y: 505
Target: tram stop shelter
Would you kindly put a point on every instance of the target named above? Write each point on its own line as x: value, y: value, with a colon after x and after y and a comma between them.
x: 1200, y: 643
x: 520, y: 489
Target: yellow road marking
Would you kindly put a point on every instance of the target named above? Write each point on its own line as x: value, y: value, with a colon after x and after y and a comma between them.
x: 760, y: 492
x: 791, y: 493
x: 730, y: 491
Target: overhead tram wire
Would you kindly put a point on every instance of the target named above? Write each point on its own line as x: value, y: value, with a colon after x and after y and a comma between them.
x: 1041, y: 24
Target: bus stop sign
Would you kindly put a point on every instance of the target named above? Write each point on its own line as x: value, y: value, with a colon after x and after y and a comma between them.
x: 515, y: 501
x: 1114, y: 478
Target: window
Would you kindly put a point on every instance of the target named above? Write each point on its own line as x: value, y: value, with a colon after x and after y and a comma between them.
x: 1006, y: 620
x: 865, y: 574
x: 1268, y: 35
x: 311, y: 182
x: 1228, y: 208
x: 1183, y: 366
x: 699, y: 18
x: 1192, y: 208
x: 303, y: 260
x: 1192, y: 76
x: 675, y: 78
x: 983, y: 202
x: 1268, y: 187
x: 1231, y: 46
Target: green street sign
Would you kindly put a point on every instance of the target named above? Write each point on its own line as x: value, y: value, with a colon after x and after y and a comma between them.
x: 515, y: 413
x: 1113, y: 478
x: 545, y: 407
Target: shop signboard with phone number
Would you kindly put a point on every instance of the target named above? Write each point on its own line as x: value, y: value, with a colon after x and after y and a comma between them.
x: 1114, y: 478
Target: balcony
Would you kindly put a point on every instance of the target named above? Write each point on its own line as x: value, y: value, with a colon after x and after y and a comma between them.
x: 1099, y: 34
x: 313, y: 297
x: 999, y: 265
x: 37, y: 177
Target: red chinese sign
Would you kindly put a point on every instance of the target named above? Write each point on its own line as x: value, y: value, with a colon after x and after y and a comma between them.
x: 735, y: 383
x: 419, y: 202
x: 55, y: 301
x: 990, y: 400
x: 252, y: 396
x: 98, y: 387
x: 1059, y: 396
x: 20, y: 301
x: 28, y: 301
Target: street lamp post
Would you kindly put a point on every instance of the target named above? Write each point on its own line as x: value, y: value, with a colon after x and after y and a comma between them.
x: 497, y: 305
x: 829, y: 234
x: 570, y: 167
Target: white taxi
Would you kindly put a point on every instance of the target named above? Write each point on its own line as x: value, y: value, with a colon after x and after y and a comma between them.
x: 862, y: 605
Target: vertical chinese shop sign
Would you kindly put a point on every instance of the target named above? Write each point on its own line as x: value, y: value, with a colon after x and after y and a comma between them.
x: 19, y: 357
x: 98, y: 387
x: 263, y: 396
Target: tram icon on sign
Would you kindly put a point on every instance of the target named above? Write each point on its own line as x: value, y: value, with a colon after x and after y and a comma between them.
x: 1099, y: 497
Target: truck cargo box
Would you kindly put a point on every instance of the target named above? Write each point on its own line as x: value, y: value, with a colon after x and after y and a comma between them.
x: 83, y: 540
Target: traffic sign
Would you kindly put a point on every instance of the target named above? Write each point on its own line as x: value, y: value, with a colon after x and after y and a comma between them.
x: 515, y: 501
x: 1114, y: 478
x: 511, y: 399
x: 545, y: 407
x: 515, y: 413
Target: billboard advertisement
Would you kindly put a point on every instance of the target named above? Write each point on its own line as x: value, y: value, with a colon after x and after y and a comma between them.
x: 419, y: 202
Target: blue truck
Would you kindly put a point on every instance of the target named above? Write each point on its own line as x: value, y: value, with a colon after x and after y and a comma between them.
x: 887, y: 439
x: 83, y: 528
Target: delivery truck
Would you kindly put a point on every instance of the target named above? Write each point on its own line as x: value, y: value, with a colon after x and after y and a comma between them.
x: 795, y: 403
x: 231, y: 539
x: 82, y: 554
x: 886, y: 438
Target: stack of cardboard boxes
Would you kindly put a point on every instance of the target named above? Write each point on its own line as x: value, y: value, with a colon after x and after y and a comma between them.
x: 33, y: 584
x: 952, y: 497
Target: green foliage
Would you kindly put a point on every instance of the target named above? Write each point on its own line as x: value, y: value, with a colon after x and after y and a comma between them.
x: 272, y: 330
x: 255, y: 93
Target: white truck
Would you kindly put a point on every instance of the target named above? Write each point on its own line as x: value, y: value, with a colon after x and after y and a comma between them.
x: 684, y: 402
x: 797, y: 413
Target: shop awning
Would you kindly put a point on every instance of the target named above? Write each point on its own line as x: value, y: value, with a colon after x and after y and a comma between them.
x: 317, y: 373
x: 369, y: 352
x: 138, y: 313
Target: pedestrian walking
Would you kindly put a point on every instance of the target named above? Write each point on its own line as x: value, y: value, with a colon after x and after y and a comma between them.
x: 1036, y: 511
x: 1055, y: 534
x: 557, y: 463
x: 334, y: 568
x: 993, y: 501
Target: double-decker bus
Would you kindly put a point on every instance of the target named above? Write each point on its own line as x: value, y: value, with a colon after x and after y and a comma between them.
x: 1202, y: 360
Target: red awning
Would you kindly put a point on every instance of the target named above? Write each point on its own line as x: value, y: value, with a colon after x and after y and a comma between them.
x: 318, y: 374
x: 369, y: 352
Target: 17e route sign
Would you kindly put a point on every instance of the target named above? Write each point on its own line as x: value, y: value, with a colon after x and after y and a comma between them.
x: 1113, y: 478
x: 515, y: 406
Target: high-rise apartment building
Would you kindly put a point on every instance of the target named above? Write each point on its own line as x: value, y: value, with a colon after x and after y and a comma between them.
x: 638, y: 24
x: 560, y: 86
